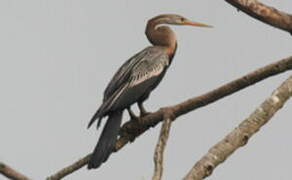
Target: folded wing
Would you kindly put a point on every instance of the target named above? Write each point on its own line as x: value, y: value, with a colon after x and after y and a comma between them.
x: 137, y: 77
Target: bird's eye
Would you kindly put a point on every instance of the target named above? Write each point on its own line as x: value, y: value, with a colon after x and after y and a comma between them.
x: 182, y: 19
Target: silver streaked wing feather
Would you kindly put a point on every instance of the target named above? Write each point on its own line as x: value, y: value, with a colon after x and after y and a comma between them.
x: 123, y: 73
x: 122, y: 90
x: 150, y: 67
x: 147, y: 64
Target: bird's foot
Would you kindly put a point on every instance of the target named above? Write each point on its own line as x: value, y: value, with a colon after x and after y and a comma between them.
x: 133, y: 116
x: 143, y: 111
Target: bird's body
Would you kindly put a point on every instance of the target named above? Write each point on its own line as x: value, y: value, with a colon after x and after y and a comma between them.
x: 134, y: 81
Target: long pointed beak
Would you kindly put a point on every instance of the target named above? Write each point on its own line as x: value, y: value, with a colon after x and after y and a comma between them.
x: 191, y: 23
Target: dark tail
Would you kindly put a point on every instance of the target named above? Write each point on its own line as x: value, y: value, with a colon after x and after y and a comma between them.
x: 107, y: 140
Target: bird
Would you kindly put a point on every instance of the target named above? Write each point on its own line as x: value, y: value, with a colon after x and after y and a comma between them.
x: 134, y: 81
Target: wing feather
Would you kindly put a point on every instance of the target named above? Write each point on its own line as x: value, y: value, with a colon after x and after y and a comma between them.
x: 146, y: 70
x: 123, y: 74
x: 149, y: 63
x: 141, y: 66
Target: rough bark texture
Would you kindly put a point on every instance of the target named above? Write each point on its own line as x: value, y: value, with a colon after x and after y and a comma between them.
x: 264, y: 13
x: 240, y: 135
x: 160, y: 147
x: 11, y: 173
x: 133, y: 129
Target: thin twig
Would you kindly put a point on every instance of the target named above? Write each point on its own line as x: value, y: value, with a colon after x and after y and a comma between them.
x: 11, y: 173
x: 264, y: 13
x: 133, y: 129
x: 240, y: 135
x: 160, y: 147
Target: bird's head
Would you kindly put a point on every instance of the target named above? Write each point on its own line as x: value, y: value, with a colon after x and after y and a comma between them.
x: 175, y: 19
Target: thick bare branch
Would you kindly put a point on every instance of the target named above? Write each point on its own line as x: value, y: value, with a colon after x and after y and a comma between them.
x: 134, y: 129
x: 70, y: 169
x: 264, y: 13
x: 240, y: 135
x: 160, y: 147
x: 11, y: 173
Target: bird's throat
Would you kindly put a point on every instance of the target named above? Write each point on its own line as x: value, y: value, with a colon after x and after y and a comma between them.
x: 161, y: 36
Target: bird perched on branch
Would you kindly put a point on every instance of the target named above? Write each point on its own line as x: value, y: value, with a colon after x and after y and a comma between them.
x: 135, y: 80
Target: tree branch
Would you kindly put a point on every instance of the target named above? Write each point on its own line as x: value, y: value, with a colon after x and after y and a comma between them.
x: 264, y: 13
x: 11, y: 173
x: 240, y: 135
x: 160, y: 147
x: 70, y: 169
x: 133, y: 129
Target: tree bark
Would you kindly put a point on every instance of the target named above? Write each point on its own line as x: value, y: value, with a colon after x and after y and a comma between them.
x: 160, y: 147
x: 11, y: 173
x: 264, y: 13
x: 241, y: 134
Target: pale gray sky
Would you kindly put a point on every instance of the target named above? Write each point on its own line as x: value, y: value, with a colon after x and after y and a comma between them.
x: 57, y: 57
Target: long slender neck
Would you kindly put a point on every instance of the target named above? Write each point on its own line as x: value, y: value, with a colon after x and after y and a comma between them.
x: 161, y: 36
